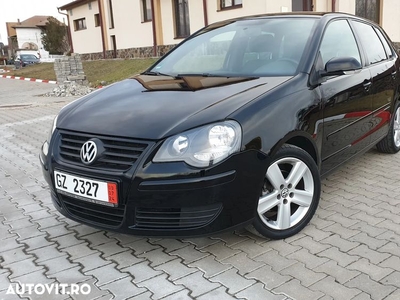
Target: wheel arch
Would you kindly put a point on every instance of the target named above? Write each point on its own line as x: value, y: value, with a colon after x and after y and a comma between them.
x: 302, y: 140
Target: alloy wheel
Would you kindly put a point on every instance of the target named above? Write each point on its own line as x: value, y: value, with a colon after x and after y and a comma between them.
x: 396, y: 128
x: 287, y: 193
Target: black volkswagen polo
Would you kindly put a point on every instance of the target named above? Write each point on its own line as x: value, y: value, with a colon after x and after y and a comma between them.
x: 234, y: 127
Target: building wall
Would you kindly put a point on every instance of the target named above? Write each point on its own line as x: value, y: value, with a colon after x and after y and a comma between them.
x: 322, y: 5
x: 249, y: 7
x: 196, y: 15
x: 31, y: 35
x: 11, y: 39
x: 134, y: 38
x: 391, y: 19
x: 87, y: 40
x: 128, y: 27
x: 346, y: 6
x: 167, y: 18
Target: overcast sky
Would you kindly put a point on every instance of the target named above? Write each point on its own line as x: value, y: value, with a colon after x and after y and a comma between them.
x: 12, y: 10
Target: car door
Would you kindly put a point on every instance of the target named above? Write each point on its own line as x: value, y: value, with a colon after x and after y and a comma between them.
x: 381, y: 62
x: 345, y: 99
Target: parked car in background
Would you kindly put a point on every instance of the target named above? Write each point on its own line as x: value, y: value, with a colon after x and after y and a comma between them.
x: 235, y: 126
x: 28, y: 59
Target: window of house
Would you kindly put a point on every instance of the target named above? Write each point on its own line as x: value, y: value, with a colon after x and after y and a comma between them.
x: 231, y: 4
x: 80, y: 24
x: 369, y: 9
x: 339, y: 41
x: 97, y: 20
x: 111, y: 14
x: 147, y: 14
x: 302, y: 5
x: 182, y: 23
x: 371, y: 43
x: 114, y: 45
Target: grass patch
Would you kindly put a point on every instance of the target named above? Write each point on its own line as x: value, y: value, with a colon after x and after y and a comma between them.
x: 40, y: 71
x: 114, y: 70
x: 97, y: 71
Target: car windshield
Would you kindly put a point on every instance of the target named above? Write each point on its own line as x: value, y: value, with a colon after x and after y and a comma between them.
x: 258, y: 47
x: 28, y: 56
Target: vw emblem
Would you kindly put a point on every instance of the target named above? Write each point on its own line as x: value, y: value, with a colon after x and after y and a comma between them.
x: 284, y: 193
x: 88, y: 152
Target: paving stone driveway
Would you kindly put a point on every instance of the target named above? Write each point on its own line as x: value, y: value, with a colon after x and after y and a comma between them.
x: 349, y: 251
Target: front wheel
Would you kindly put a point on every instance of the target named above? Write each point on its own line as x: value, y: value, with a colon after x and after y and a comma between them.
x: 391, y: 142
x: 290, y: 194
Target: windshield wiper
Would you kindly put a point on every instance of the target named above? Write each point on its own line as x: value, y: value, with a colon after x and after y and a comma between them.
x: 215, y: 75
x: 153, y: 73
x: 201, y: 75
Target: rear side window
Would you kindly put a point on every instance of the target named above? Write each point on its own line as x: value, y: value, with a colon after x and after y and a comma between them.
x: 339, y: 41
x: 388, y: 50
x: 371, y: 42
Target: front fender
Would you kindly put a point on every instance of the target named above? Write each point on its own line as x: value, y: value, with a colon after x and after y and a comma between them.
x: 291, y: 113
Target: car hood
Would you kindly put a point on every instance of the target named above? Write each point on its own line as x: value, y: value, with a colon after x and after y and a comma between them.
x: 154, y: 107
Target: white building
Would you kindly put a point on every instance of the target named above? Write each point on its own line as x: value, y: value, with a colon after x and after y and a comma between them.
x: 140, y: 28
x: 29, y: 35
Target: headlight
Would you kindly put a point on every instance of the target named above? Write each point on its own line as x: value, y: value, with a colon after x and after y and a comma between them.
x: 46, y: 144
x: 204, y: 146
x: 53, y: 127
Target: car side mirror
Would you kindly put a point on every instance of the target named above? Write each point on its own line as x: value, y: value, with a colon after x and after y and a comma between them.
x: 339, y: 65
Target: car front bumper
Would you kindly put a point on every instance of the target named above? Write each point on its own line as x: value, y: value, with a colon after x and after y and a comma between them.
x: 167, y: 199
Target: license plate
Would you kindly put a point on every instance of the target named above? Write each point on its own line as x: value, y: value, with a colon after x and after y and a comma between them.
x: 86, y: 189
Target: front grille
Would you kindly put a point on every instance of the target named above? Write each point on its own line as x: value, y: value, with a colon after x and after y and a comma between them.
x: 120, y: 154
x: 176, y: 218
x: 95, y: 213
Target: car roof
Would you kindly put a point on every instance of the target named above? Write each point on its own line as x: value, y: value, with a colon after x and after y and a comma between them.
x: 28, y: 55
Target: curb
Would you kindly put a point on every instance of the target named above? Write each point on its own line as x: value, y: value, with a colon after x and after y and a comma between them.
x: 29, y: 79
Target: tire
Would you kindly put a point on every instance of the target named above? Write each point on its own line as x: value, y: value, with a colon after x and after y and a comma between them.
x: 290, y: 195
x: 391, y: 142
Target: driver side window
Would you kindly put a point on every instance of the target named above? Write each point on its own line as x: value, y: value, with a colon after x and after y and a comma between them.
x: 339, y: 41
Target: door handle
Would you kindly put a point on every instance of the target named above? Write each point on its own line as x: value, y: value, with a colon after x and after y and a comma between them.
x: 367, y: 85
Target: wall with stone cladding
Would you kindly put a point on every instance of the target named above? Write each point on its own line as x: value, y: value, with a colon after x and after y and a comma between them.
x: 397, y: 45
x: 70, y: 69
x: 142, y: 52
